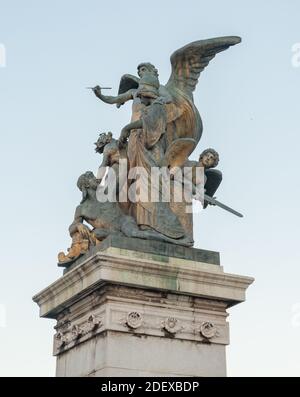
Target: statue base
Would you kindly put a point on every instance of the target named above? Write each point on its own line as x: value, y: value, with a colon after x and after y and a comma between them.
x: 150, y: 309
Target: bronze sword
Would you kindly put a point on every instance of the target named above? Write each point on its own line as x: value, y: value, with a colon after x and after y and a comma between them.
x: 221, y: 205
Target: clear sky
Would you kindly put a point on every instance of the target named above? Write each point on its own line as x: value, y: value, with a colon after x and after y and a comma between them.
x: 248, y: 98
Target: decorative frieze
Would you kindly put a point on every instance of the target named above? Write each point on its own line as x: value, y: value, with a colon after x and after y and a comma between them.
x: 185, y: 324
x: 71, y: 334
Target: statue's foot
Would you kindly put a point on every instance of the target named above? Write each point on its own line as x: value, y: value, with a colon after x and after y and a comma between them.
x: 61, y: 257
x: 153, y: 235
x: 77, y: 249
x: 64, y: 259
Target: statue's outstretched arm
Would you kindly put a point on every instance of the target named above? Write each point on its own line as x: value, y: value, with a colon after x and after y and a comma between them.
x: 135, y: 125
x: 119, y: 99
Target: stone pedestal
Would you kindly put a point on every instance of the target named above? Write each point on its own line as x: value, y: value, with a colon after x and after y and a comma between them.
x: 150, y: 309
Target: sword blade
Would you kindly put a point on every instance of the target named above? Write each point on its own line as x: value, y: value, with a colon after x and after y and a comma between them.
x: 102, y: 88
x: 221, y: 205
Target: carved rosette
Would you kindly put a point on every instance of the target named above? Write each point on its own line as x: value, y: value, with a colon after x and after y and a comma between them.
x: 71, y: 334
x: 93, y: 323
x: 171, y: 325
x: 77, y: 332
x: 208, y: 330
x: 134, y: 320
x: 61, y: 340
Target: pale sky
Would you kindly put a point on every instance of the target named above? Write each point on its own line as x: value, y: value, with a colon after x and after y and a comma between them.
x: 248, y: 98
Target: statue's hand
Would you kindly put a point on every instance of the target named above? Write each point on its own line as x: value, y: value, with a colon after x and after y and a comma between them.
x: 83, y: 230
x: 124, y: 136
x: 97, y: 91
x: 213, y: 203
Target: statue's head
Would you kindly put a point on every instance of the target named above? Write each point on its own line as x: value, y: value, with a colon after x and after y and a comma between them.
x: 87, y: 181
x: 148, y: 87
x: 146, y: 67
x: 209, y: 158
x: 103, y: 140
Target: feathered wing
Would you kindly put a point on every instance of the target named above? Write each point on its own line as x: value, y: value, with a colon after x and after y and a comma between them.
x: 189, y: 61
x: 128, y: 82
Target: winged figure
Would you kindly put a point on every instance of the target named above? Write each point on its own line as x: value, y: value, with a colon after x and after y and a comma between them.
x: 164, y: 130
x: 184, y: 125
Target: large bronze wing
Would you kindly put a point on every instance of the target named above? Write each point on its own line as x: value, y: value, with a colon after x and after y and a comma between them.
x: 128, y: 82
x: 189, y: 61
